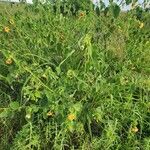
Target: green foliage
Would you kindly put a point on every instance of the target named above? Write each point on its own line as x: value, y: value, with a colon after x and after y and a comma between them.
x: 115, y: 10
x: 128, y: 2
x: 74, y: 81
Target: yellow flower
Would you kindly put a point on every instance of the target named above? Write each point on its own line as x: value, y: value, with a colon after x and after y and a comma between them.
x: 134, y: 129
x: 6, y: 29
x: 82, y: 14
x: 11, y: 21
x: 71, y: 117
x: 9, y: 61
x: 49, y: 114
x: 141, y: 25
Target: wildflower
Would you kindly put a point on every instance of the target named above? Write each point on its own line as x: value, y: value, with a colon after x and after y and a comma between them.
x: 141, y: 25
x: 134, y: 129
x: 81, y: 14
x: 11, y: 21
x: 9, y: 61
x: 49, y: 114
x: 6, y: 29
x: 71, y: 117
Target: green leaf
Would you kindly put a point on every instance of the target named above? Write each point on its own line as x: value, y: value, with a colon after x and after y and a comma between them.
x: 98, y: 114
x: 37, y: 94
x: 28, y: 113
x: 115, y: 10
x: 106, y: 10
x: 14, y: 105
x: 58, y: 70
x: 43, y: 102
x: 128, y: 2
x: 35, y: 108
x: 71, y: 126
x: 4, y: 114
x: 77, y: 107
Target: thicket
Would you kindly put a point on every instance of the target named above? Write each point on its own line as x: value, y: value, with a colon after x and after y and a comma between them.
x: 74, y: 79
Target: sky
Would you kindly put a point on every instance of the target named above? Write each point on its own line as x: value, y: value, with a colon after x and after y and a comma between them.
x: 94, y: 1
x: 117, y: 1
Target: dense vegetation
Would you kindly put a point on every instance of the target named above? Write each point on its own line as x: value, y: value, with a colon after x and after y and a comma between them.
x: 74, y: 80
